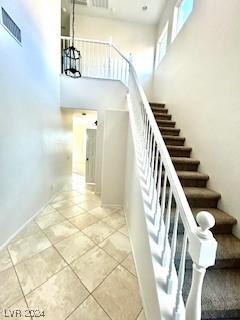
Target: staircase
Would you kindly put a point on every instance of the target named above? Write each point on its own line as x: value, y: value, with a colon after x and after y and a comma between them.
x: 221, y: 290
x: 170, y: 195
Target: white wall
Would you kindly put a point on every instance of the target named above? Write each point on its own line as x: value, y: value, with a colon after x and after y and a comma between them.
x: 129, y: 37
x: 79, y: 148
x: 199, y: 81
x: 94, y: 94
x: 114, y: 157
x: 34, y: 160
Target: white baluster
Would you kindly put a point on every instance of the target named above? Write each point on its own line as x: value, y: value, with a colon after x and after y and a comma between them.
x: 178, y: 311
x: 149, y: 158
x: 152, y: 162
x: 147, y: 145
x: 158, y: 190
x: 109, y: 58
x: 162, y: 206
x: 156, y: 168
x: 193, y: 307
x: 173, y: 252
x: 145, y: 126
x: 164, y: 257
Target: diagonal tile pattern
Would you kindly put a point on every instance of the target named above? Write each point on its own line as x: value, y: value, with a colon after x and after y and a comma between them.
x: 117, y: 295
x: 73, y: 261
x: 89, y: 310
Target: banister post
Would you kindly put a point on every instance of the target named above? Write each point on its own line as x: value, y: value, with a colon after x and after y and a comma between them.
x: 204, y: 258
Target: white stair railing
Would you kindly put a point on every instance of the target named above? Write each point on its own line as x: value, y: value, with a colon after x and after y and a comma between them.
x: 170, y: 210
x: 99, y: 59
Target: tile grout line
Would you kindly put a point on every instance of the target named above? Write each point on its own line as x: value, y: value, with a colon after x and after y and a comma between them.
x: 79, y: 230
x: 24, y: 297
x: 96, y: 245
x: 107, y: 275
x: 67, y: 264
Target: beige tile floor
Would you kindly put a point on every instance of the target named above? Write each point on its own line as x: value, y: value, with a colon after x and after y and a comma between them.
x: 73, y: 262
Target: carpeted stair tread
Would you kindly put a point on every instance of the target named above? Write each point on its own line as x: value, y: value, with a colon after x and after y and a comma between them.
x: 169, y: 131
x: 163, y: 116
x: 179, y: 151
x: 174, y: 140
x: 220, y: 297
x: 192, y: 178
x: 160, y: 111
x: 228, y: 252
x: 201, y: 197
x: 201, y: 192
x: 166, y: 123
x: 156, y: 105
x: 224, y: 222
x: 187, y: 164
x: 192, y: 175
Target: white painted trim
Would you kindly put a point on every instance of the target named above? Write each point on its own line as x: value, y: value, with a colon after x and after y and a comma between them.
x: 135, y: 264
x: 106, y: 205
x: 6, y: 243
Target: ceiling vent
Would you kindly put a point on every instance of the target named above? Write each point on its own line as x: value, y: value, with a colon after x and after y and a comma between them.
x: 102, y: 4
x: 11, y: 26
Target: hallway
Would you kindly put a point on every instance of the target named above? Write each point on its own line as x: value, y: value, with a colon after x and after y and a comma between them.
x: 72, y: 262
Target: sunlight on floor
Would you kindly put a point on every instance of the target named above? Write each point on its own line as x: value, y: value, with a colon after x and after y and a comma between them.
x: 72, y: 262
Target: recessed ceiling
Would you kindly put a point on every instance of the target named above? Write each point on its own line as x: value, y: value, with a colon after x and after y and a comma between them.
x: 143, y: 11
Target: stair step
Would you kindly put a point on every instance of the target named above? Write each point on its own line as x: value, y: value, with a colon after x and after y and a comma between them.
x: 228, y: 252
x: 156, y: 105
x: 166, y: 123
x: 160, y: 111
x: 185, y: 164
x: 173, y: 141
x: 163, y: 116
x: 179, y: 151
x: 224, y: 222
x: 201, y: 197
x: 192, y: 179
x: 220, y: 296
x: 156, y: 108
x: 169, y: 131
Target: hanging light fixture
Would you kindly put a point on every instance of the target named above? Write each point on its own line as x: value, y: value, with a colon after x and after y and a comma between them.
x: 72, y: 56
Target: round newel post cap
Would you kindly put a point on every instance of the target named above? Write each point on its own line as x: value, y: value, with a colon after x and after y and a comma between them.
x: 206, y: 221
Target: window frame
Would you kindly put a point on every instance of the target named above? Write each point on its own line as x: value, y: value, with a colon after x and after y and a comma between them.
x: 176, y: 15
x: 163, y: 38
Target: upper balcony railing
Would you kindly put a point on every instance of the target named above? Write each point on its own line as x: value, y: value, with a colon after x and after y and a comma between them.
x: 177, y: 232
x: 100, y: 59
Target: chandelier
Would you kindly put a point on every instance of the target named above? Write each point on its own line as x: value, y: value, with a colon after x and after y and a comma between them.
x: 72, y: 56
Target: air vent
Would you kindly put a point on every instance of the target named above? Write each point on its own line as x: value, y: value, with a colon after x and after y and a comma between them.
x: 82, y: 2
x: 103, y: 4
x: 11, y: 26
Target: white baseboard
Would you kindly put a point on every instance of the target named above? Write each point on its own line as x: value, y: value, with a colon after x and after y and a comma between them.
x: 6, y: 243
x: 107, y: 205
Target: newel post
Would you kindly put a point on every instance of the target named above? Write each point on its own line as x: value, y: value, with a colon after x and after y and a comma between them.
x: 203, y: 252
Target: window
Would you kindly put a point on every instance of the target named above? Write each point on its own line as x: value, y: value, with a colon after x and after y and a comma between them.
x: 162, y: 45
x: 182, y: 11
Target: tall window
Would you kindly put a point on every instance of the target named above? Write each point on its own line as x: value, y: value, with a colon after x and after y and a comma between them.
x: 162, y: 45
x: 182, y: 11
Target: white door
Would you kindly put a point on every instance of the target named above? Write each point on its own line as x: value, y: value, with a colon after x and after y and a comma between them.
x: 91, y: 155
